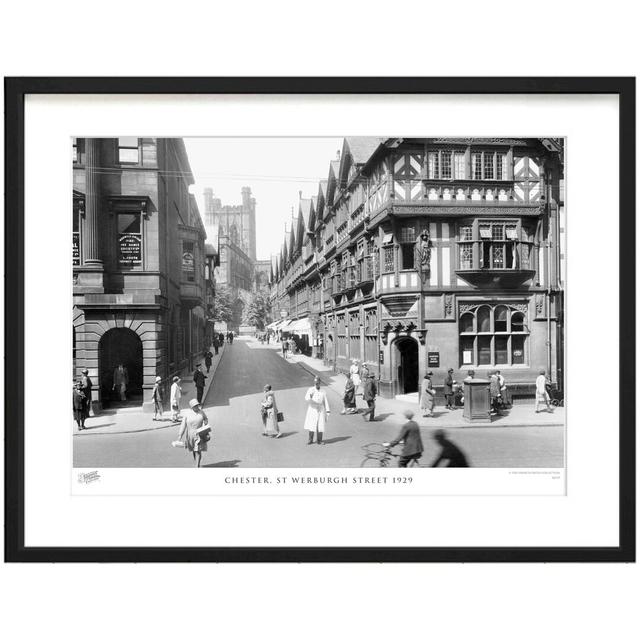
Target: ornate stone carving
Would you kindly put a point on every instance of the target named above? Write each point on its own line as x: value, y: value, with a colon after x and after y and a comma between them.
x: 422, y: 253
x: 539, y: 305
x: 448, y: 305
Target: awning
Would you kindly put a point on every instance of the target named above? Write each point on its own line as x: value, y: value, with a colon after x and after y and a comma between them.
x: 302, y: 326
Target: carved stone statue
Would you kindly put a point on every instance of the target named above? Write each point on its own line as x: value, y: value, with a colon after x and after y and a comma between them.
x: 422, y: 254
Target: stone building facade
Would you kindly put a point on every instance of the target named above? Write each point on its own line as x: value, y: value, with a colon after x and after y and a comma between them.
x: 138, y: 265
x: 424, y: 254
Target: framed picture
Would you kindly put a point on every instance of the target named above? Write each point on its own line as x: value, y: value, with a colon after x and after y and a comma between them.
x: 320, y: 319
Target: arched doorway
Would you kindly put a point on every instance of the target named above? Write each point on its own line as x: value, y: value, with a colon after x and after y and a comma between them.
x: 407, y: 365
x: 120, y: 346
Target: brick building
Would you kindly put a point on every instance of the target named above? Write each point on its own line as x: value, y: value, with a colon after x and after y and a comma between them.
x: 138, y: 264
x: 423, y: 254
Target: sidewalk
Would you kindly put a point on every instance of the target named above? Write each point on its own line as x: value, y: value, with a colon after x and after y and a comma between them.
x: 520, y: 415
x: 133, y: 419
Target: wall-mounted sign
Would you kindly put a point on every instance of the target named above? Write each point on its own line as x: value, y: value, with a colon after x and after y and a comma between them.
x: 188, y: 261
x: 381, y: 357
x: 76, y: 248
x: 433, y: 359
x: 129, y: 250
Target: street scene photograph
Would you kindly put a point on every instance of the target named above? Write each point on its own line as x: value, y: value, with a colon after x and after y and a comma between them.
x: 344, y: 302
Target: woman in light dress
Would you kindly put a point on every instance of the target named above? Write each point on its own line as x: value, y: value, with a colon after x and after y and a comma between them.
x: 427, y: 396
x: 269, y: 411
x: 191, y: 433
x: 354, y: 370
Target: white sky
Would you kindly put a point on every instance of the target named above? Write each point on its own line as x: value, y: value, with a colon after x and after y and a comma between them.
x: 276, y: 169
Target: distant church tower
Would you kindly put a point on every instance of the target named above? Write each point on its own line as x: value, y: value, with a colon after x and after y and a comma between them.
x: 238, y: 222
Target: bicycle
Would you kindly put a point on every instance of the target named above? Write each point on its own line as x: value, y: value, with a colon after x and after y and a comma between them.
x: 377, y: 455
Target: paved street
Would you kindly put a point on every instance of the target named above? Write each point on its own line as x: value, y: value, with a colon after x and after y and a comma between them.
x: 232, y: 405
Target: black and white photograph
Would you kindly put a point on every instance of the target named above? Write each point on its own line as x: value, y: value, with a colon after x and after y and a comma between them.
x: 318, y: 302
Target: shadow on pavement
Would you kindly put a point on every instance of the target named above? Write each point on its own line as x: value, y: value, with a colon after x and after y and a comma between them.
x: 338, y: 439
x: 286, y: 434
x: 224, y: 463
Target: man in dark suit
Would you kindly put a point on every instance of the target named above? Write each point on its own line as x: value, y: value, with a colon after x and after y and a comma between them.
x: 410, y: 434
x: 369, y: 396
x: 198, y: 379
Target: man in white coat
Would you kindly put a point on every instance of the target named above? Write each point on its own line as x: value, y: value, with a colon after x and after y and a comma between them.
x: 317, y: 413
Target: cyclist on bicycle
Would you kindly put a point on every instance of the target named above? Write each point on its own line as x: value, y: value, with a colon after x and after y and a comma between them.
x: 410, y: 433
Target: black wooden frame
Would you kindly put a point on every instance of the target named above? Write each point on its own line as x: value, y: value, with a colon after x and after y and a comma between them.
x: 15, y: 91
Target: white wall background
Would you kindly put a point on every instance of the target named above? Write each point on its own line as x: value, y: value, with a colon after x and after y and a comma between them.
x: 332, y: 38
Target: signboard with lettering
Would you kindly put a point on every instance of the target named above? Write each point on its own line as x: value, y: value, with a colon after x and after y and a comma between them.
x: 433, y: 359
x: 76, y: 248
x: 129, y: 250
x: 381, y: 357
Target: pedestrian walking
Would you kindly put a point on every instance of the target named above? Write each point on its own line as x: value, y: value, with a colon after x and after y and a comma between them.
x: 349, y: 397
x: 198, y: 380
x: 504, y: 391
x: 269, y: 411
x: 354, y: 370
x: 121, y: 381
x: 450, y: 452
x: 195, y: 432
x: 317, y: 412
x: 410, y: 435
x: 494, y: 392
x: 448, y: 389
x: 369, y: 395
x: 79, y: 405
x: 427, y: 396
x: 157, y: 396
x: 176, y: 395
x: 86, y: 385
x: 216, y: 344
x: 542, y: 395
x: 285, y: 346
x: 208, y: 358
x: 221, y: 338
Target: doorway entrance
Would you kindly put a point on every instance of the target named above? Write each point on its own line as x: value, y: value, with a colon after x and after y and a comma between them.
x: 407, y: 365
x: 120, y: 347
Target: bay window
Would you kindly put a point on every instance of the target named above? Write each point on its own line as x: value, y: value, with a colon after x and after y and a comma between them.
x: 492, y: 335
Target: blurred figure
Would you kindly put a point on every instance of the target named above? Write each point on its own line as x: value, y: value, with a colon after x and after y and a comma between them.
x: 410, y: 434
x: 85, y: 386
x: 121, y: 381
x: 449, y: 453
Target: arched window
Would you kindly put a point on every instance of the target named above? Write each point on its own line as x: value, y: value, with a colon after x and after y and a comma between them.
x: 493, y: 335
x: 517, y: 321
x: 500, y: 319
x: 466, y: 323
x: 484, y: 320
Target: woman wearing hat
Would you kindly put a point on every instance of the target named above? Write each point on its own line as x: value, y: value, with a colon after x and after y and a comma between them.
x: 157, y: 398
x: 176, y: 394
x: 354, y: 370
x: 194, y: 432
x: 427, y: 396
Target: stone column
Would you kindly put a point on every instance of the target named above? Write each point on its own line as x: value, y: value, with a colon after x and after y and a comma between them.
x: 91, y: 229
